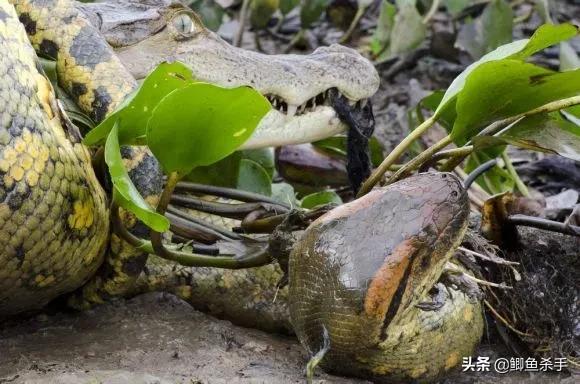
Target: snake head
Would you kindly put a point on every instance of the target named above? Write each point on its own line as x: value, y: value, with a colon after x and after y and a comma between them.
x: 361, y: 266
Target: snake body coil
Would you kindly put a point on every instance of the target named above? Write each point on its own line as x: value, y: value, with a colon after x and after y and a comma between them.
x: 55, y: 221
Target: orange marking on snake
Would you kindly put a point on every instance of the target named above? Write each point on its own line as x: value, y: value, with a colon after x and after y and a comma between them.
x: 387, y: 279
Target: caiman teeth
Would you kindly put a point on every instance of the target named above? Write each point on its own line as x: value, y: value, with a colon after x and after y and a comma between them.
x: 322, y: 99
x: 292, y: 110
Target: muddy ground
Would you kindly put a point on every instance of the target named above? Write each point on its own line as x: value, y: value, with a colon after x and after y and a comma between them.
x: 159, y: 339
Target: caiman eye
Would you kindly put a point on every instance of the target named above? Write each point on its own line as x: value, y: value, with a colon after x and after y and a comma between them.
x: 185, y: 25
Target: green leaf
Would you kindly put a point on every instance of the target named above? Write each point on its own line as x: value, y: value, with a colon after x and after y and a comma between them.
x: 320, y: 198
x: 447, y: 116
x: 264, y: 157
x: 456, y: 6
x: 125, y: 193
x: 311, y: 11
x: 547, y: 132
x: 492, y: 29
x: 133, y: 114
x: 544, y: 37
x: 335, y: 144
x: 261, y: 12
x: 385, y: 23
x: 408, y: 32
x: 499, y: 89
x: 211, y: 13
x: 223, y: 173
x: 284, y: 193
x: 214, y: 124
x: 254, y: 178
x: 288, y: 5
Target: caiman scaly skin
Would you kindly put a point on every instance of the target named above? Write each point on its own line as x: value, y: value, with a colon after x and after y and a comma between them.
x: 360, y: 270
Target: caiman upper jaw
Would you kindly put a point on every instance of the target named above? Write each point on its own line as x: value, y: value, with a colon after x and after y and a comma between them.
x: 322, y: 99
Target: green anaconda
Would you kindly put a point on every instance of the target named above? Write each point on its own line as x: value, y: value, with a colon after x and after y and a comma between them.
x: 54, y: 220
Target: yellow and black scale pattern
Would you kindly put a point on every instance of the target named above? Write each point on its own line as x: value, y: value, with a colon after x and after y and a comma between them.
x: 54, y: 221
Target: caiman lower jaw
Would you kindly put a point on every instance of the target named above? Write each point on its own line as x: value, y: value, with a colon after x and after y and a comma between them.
x: 277, y: 129
x: 288, y: 124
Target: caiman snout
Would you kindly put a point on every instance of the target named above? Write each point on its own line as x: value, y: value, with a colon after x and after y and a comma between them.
x: 297, y: 86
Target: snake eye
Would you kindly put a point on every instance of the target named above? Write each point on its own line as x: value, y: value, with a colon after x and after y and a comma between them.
x: 184, y: 24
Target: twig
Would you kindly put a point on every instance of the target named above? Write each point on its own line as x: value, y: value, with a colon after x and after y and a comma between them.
x: 504, y: 321
x: 359, y: 14
x: 432, y: 11
x: 172, y: 211
x: 243, y: 17
x: 228, y: 193
x: 496, y: 260
x: 457, y: 271
x: 480, y: 170
x: 232, y: 211
x: 548, y: 225
x: 255, y: 259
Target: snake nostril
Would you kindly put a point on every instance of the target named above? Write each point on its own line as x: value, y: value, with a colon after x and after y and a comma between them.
x: 454, y: 194
x: 444, y: 176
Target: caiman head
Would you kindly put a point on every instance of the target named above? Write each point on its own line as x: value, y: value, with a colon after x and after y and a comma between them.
x: 146, y: 33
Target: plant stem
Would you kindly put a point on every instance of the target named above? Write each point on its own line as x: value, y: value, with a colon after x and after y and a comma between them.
x: 547, y: 225
x: 557, y: 105
x: 378, y: 173
x: 120, y: 230
x: 432, y: 11
x: 157, y: 237
x: 424, y: 156
x: 512, y: 171
x: 228, y: 193
x: 359, y: 14
x: 243, y: 16
x: 449, y: 153
x: 255, y: 259
x: 295, y: 40
x: 496, y: 127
